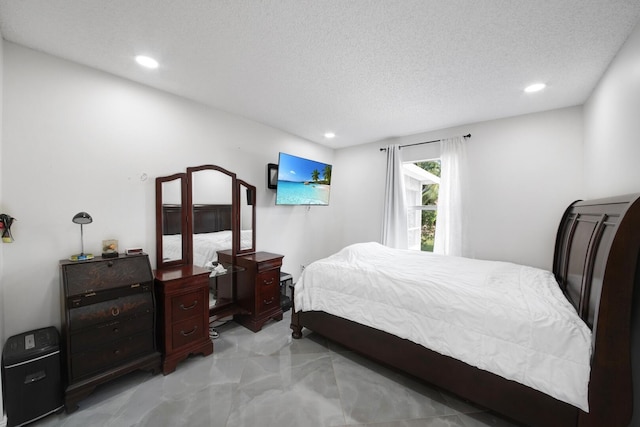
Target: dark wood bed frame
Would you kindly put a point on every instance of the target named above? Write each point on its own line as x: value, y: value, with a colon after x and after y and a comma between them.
x: 596, y: 264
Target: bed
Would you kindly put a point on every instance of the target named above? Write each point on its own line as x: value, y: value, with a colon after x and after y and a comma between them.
x: 595, y: 270
x: 212, y: 233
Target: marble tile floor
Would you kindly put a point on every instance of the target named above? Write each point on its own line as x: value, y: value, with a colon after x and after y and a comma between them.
x: 268, y: 379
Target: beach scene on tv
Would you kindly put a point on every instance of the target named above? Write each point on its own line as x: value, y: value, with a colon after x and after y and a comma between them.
x: 302, y: 181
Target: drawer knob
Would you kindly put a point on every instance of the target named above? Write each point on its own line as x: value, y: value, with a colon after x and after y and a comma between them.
x: 115, y: 311
x: 191, y: 332
x: 269, y: 302
x: 189, y: 307
x: 110, y: 264
x: 116, y: 352
x: 116, y: 330
x: 268, y: 282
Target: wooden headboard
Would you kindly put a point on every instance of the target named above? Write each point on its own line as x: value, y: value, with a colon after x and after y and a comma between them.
x: 206, y: 218
x: 597, y: 265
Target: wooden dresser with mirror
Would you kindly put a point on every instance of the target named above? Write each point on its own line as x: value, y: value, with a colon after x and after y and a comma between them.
x: 205, y: 222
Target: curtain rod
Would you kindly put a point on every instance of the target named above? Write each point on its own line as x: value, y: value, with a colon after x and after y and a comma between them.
x: 425, y: 142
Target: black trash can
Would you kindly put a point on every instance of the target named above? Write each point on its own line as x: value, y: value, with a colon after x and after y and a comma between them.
x: 32, y: 386
x: 286, y: 280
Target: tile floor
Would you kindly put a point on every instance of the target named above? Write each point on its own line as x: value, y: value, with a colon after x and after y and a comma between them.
x: 268, y: 379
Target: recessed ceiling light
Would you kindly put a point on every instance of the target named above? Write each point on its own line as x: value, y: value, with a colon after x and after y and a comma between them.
x: 146, y: 61
x: 329, y: 135
x: 535, y: 87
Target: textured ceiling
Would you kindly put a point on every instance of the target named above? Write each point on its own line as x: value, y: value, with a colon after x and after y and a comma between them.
x: 364, y: 69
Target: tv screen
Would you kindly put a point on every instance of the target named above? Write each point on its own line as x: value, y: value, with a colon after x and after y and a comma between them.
x: 302, y: 181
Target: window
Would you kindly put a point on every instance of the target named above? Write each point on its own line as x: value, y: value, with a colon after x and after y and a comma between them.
x: 422, y: 181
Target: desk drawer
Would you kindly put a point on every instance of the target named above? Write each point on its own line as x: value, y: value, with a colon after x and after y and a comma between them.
x: 111, y: 331
x: 86, y: 277
x: 110, y: 354
x: 108, y: 311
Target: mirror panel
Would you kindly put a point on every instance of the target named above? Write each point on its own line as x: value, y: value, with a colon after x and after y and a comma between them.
x: 170, y: 224
x: 247, y: 206
x: 213, y: 205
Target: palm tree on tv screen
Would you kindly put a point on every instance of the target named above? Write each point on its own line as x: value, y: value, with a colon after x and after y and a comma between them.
x: 327, y: 174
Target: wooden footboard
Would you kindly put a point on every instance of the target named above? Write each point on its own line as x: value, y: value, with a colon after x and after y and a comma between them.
x: 597, y: 265
x: 509, y: 398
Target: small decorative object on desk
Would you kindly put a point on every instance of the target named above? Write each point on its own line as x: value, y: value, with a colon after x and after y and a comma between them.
x: 5, y: 227
x: 109, y: 248
x: 81, y: 257
x: 134, y: 251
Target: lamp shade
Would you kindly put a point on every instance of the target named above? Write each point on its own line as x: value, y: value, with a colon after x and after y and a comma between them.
x: 82, y: 218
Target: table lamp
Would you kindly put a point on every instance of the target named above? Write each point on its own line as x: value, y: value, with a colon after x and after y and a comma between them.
x: 82, y: 218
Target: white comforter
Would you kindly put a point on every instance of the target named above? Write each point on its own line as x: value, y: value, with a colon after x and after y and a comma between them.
x: 508, y: 319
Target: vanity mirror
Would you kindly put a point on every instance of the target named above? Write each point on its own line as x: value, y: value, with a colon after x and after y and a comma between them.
x: 200, y: 212
x: 213, y: 271
x: 205, y: 220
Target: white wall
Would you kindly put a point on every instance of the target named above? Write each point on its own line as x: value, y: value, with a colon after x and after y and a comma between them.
x: 77, y: 139
x: 524, y: 171
x: 3, y: 418
x: 612, y: 126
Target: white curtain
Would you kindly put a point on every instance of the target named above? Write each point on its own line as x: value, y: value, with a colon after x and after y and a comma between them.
x: 450, y: 233
x: 394, y: 220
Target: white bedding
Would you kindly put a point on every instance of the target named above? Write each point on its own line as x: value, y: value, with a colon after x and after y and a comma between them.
x: 205, y: 245
x: 508, y: 319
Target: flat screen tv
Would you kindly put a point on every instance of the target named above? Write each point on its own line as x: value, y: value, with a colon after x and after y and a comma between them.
x: 302, y: 181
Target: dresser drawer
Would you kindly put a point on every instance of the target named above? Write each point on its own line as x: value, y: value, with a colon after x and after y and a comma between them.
x: 110, y: 331
x: 188, y: 305
x: 87, y: 277
x: 267, y: 301
x: 108, y: 311
x: 268, y: 292
x: 110, y: 354
x: 268, y: 279
x: 269, y: 265
x: 188, y: 331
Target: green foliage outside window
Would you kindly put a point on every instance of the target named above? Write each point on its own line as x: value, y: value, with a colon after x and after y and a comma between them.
x: 429, y: 197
